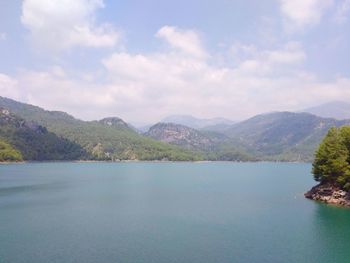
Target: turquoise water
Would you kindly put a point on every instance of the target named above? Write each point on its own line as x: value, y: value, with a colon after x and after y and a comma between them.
x: 166, y: 212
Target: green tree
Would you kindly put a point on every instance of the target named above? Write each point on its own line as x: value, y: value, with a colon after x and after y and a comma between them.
x: 331, y: 164
x: 345, y: 178
x: 8, y: 153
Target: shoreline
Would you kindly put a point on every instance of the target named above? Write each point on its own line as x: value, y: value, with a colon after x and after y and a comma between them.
x: 144, y: 161
x: 329, y: 194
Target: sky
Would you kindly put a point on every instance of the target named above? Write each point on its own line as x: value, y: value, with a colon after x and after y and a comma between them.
x: 143, y: 60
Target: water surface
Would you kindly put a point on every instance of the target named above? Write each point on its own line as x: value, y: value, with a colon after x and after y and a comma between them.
x: 166, y: 212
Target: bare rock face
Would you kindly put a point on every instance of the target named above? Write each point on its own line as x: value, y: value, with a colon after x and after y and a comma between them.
x: 179, y: 135
x: 329, y: 194
x: 114, y: 122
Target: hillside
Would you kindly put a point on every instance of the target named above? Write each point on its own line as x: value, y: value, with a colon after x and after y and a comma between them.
x: 212, y: 145
x: 8, y: 153
x: 337, y: 109
x: 114, y: 122
x: 30, y: 141
x: 102, y: 140
x: 218, y: 128
x: 283, y: 135
x: 180, y: 135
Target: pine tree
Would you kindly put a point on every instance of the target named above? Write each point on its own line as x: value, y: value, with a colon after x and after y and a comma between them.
x: 331, y: 164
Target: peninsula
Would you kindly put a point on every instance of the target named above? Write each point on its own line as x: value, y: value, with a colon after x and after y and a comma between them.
x: 331, y: 168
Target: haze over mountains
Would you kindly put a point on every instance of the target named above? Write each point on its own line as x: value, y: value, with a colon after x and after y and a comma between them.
x: 51, y: 135
x: 337, y: 109
x: 196, y: 123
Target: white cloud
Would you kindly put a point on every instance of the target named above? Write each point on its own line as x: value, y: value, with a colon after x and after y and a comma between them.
x: 303, y: 13
x: 147, y: 87
x: 292, y: 53
x: 9, y: 86
x: 63, y: 24
x: 342, y: 12
x: 271, y: 62
x: 187, y: 41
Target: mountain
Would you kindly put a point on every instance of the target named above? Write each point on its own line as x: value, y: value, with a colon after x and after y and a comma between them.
x: 283, y: 136
x: 31, y: 133
x: 34, y: 142
x: 180, y: 135
x: 144, y: 128
x: 211, y: 145
x: 220, y: 128
x: 114, y: 122
x: 195, y: 123
x: 108, y: 139
x: 337, y: 109
x: 117, y: 123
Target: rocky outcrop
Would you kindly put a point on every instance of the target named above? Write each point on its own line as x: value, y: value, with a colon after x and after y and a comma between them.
x: 180, y: 135
x: 114, y: 122
x: 329, y: 194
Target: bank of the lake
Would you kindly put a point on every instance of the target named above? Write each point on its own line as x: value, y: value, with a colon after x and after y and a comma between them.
x: 329, y: 194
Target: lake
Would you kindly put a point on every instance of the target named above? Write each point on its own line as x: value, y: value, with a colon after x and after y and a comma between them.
x: 166, y: 212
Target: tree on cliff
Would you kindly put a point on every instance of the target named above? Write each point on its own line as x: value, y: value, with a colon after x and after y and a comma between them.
x: 332, y: 159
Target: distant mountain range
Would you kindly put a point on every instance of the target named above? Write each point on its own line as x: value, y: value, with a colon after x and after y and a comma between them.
x: 209, y: 144
x: 337, y: 109
x: 37, y: 134
x: 196, y: 123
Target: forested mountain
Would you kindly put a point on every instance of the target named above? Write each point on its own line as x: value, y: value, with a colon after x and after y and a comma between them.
x: 283, y: 135
x: 114, y: 122
x: 34, y: 142
x: 101, y: 140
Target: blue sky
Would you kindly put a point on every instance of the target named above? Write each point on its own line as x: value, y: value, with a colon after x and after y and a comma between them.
x: 143, y: 60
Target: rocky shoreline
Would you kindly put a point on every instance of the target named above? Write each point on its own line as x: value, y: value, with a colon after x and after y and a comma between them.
x: 329, y: 194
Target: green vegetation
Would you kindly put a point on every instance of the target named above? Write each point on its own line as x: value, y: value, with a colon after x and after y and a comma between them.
x: 34, y: 142
x: 279, y: 136
x: 332, y: 159
x: 99, y: 140
x: 8, y: 153
x: 282, y: 136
